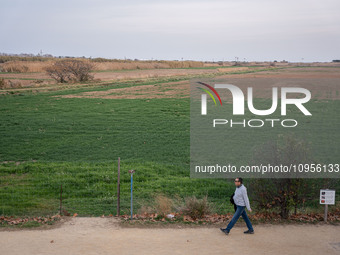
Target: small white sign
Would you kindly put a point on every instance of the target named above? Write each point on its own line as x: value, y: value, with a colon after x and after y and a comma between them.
x: 327, y: 197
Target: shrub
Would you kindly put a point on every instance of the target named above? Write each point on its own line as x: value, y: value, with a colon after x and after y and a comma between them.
x: 3, y: 83
x: 163, y: 205
x: 58, y: 71
x: 80, y: 69
x: 14, y: 84
x: 196, y: 208
x: 283, y: 194
x: 70, y: 70
x: 6, y: 84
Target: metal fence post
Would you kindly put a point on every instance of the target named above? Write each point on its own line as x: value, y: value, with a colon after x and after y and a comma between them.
x: 118, y: 189
x: 131, y: 172
x: 61, y: 198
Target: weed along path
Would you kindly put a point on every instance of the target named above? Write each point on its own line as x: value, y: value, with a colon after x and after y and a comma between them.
x: 87, y: 236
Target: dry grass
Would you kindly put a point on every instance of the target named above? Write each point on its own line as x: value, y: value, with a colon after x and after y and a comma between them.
x: 162, y: 205
x: 196, y: 208
x: 9, y: 84
x: 3, y: 83
x: 38, y: 64
x: 147, y: 64
x: 107, y: 66
x: 17, y: 66
x: 191, y: 206
x: 234, y: 69
x: 24, y: 66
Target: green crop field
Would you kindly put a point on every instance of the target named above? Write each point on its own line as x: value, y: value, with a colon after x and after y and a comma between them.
x: 48, y: 141
x: 76, y: 143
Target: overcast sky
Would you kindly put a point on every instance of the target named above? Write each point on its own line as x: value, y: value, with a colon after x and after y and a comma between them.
x: 293, y: 30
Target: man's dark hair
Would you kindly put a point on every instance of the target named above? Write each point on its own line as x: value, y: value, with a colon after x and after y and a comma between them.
x: 240, y: 179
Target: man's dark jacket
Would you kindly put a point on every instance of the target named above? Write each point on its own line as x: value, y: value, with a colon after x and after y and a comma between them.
x: 232, y: 201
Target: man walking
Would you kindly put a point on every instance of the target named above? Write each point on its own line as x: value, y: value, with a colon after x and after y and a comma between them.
x: 241, y: 200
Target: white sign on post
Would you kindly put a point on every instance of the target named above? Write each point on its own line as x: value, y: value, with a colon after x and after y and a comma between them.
x: 327, y: 197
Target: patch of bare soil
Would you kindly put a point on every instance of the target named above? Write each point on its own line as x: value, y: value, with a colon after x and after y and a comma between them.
x: 324, y: 83
x: 162, y: 90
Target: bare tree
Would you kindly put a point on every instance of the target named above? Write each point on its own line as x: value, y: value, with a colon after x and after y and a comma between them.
x: 70, y: 70
x: 282, y: 193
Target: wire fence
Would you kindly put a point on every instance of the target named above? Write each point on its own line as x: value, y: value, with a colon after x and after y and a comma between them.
x: 33, y: 189
x: 90, y: 189
x: 46, y: 189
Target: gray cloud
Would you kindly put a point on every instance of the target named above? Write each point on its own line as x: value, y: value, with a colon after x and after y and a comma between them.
x: 201, y: 30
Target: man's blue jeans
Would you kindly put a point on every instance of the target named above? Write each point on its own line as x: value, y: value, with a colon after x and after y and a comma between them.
x: 240, y: 211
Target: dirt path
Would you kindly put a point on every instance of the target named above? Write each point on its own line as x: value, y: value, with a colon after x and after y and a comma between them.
x: 103, y: 236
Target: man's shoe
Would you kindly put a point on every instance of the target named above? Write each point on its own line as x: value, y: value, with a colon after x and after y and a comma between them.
x: 249, y: 232
x: 225, y: 231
